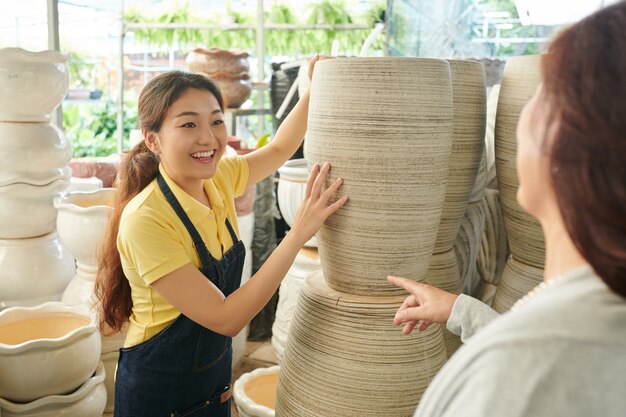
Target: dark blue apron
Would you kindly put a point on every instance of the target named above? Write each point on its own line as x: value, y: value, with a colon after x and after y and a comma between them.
x: 184, y: 370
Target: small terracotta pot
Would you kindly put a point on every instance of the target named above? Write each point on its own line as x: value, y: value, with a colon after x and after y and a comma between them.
x: 217, y: 60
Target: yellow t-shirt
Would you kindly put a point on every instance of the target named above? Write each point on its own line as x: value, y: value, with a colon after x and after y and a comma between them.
x: 153, y: 242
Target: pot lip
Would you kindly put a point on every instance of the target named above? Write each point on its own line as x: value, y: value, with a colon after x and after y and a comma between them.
x: 66, y: 201
x: 35, y: 178
x: 20, y: 54
x: 242, y: 398
x: 43, y: 309
x: 32, y: 190
x: 294, y: 169
x: 80, y: 393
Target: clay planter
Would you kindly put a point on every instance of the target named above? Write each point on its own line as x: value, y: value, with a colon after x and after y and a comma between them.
x: 33, y: 153
x: 291, y: 190
x: 345, y: 357
x: 307, y: 262
x: 521, y: 77
x: 86, y: 401
x: 32, y: 84
x: 51, y: 349
x: 468, y: 143
x: 33, y: 271
x: 516, y: 281
x: 215, y: 60
x: 385, y: 126
x: 80, y: 222
x: 255, y: 392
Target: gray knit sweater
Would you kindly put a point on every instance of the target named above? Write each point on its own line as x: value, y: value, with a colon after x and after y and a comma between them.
x: 563, y: 353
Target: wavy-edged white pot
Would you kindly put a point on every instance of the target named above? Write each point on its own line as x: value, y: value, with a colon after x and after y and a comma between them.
x: 80, y: 222
x: 32, y: 84
x: 34, y: 153
x: 247, y: 406
x: 291, y: 190
x: 33, y: 271
x: 51, y: 349
x: 87, y: 401
x: 27, y: 210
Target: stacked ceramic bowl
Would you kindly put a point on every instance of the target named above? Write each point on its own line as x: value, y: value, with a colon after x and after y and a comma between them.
x: 229, y: 69
x: 34, y: 266
x: 521, y: 78
x: 385, y: 126
x: 49, y: 356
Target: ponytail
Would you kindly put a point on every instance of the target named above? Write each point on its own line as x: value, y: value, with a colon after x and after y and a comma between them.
x: 112, y: 289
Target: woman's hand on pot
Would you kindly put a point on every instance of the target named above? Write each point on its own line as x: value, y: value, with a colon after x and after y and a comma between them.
x: 316, y: 58
x: 315, y: 207
x: 424, y: 305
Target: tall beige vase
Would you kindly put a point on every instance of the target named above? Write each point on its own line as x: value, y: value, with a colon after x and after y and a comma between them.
x: 345, y: 357
x: 521, y: 77
x: 385, y: 125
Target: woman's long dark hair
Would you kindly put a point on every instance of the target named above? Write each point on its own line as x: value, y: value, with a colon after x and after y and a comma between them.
x: 137, y: 170
x: 584, y: 77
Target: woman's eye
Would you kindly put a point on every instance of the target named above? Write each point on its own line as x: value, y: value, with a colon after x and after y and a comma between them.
x: 189, y: 125
x: 218, y: 122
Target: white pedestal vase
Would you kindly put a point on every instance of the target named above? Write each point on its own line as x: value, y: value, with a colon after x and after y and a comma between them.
x: 290, y: 191
x: 307, y: 262
x: 246, y: 231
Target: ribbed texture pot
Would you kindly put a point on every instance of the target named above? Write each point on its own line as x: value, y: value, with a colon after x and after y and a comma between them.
x: 516, y: 281
x: 345, y: 357
x: 520, y: 80
x: 385, y: 125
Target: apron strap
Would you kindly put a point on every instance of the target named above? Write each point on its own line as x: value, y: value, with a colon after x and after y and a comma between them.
x: 203, y: 252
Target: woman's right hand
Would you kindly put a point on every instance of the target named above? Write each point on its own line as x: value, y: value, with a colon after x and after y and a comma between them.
x: 315, y: 209
x: 425, y: 305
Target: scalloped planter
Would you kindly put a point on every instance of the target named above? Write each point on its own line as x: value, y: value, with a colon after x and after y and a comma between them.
x: 80, y: 222
x: 32, y: 84
x: 255, y: 392
x: 86, y: 401
x: 33, y: 271
x: 46, y: 350
x: 291, y: 190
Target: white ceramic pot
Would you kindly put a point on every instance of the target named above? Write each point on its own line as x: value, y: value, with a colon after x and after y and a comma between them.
x: 80, y: 290
x: 84, y: 184
x: 33, y: 153
x: 27, y: 210
x: 255, y: 392
x: 86, y: 401
x: 81, y: 220
x: 291, y: 190
x: 33, y: 271
x: 110, y: 364
x: 51, y: 349
x: 32, y: 84
x: 306, y: 263
x: 246, y: 233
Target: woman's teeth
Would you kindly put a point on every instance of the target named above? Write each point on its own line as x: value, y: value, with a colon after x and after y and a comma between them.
x: 203, y: 154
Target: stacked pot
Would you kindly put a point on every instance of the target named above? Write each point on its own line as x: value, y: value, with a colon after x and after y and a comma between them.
x: 524, y: 268
x: 34, y: 266
x: 385, y: 126
x: 229, y: 70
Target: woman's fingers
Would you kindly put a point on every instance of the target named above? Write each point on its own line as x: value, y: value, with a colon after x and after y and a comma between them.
x: 311, y: 180
x: 319, y: 181
x: 408, y: 327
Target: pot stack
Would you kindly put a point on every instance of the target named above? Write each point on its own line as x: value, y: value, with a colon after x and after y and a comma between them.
x: 385, y: 126
x: 229, y: 70
x: 524, y: 268
x: 34, y: 266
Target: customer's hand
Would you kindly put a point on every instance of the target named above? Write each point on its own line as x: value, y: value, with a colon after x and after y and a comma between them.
x: 316, y: 58
x: 315, y: 209
x: 425, y: 305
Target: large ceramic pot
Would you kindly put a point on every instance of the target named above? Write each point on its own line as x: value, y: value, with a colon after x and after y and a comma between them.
x: 86, y: 401
x: 345, y: 357
x: 81, y: 221
x: 33, y: 153
x: 33, y: 271
x: 385, y: 126
x: 521, y: 77
x: 291, y: 189
x: 307, y: 262
x: 32, y: 84
x: 255, y: 392
x: 215, y: 60
x: 51, y: 349
x: 468, y: 143
x: 516, y: 281
x: 27, y: 210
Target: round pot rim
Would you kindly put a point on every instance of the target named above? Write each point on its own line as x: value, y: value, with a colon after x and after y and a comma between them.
x: 66, y: 201
x: 243, y: 400
x: 47, y: 56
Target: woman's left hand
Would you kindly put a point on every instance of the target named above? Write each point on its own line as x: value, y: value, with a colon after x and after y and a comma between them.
x: 314, y: 61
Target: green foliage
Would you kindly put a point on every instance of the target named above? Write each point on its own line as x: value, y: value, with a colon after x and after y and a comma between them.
x: 92, y: 129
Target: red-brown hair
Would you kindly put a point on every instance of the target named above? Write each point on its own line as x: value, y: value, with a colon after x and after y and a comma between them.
x: 136, y: 171
x: 584, y: 82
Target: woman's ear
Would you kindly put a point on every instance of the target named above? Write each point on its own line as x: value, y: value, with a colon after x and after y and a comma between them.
x: 150, y: 138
